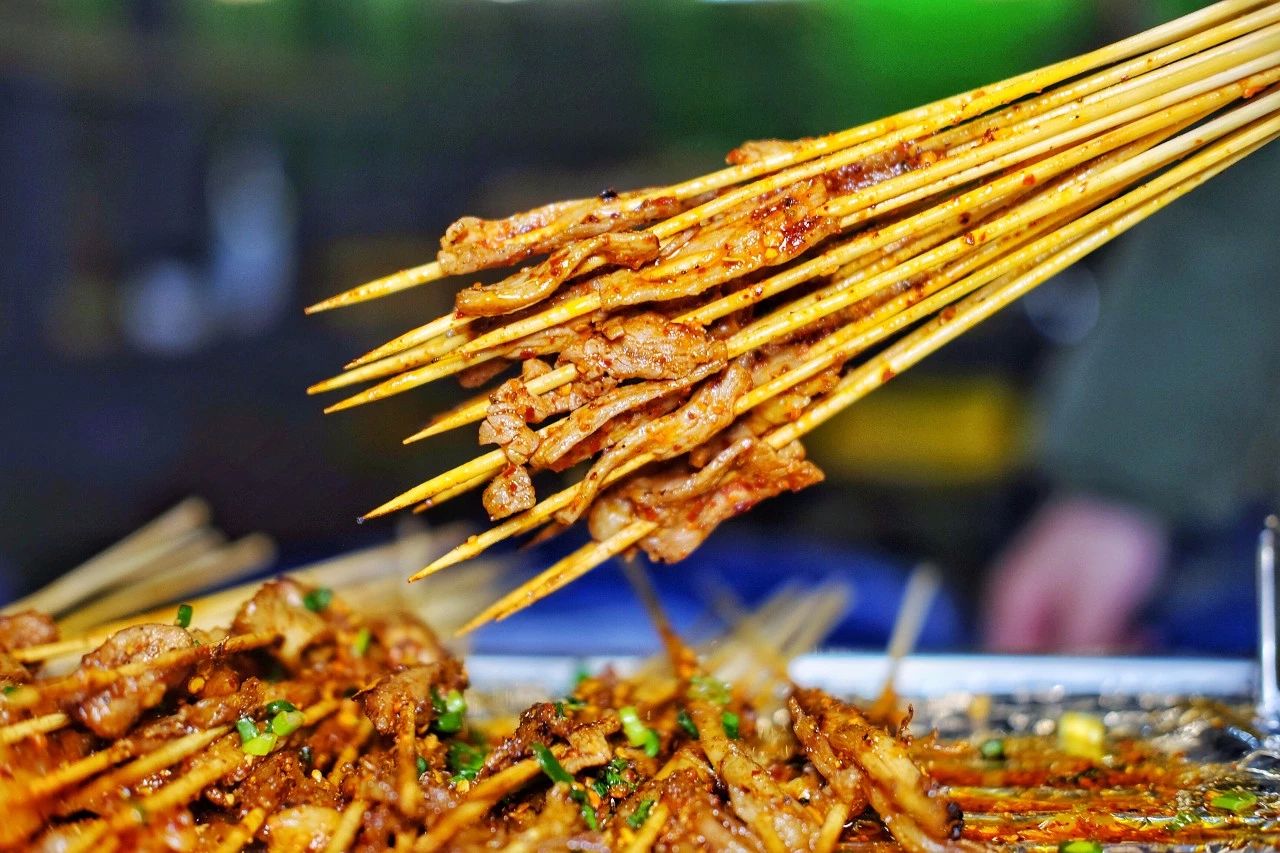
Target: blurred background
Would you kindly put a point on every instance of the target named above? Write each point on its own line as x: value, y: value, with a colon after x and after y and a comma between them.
x: 178, y: 179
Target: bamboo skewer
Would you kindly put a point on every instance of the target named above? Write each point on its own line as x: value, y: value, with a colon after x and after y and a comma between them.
x: 949, y: 209
x: 178, y: 581
x: 811, y: 309
x: 928, y: 338
x: 524, y: 522
x: 121, y: 561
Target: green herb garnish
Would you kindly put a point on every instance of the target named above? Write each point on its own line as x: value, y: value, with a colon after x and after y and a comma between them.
x: 684, y: 721
x: 10, y: 689
x: 588, y: 811
x: 247, y: 728
x: 731, y: 723
x: 318, y: 599
x: 992, y: 749
x: 613, y: 773
x: 556, y: 773
x: 449, y: 710
x: 1235, y: 801
x: 637, y: 818
x: 638, y: 734
x: 422, y: 765
x: 275, y: 706
x: 260, y: 745
x: 465, y: 760
x: 183, y: 619
x: 286, y: 723
x: 550, y: 764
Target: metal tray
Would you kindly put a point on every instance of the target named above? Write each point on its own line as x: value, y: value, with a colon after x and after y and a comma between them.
x: 859, y: 674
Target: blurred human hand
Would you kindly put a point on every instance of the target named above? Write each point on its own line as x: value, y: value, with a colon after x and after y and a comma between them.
x: 1073, y: 578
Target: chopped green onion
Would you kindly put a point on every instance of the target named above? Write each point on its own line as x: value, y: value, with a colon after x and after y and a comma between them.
x: 637, y: 818
x: 588, y: 811
x: 556, y: 773
x: 449, y: 710
x: 708, y: 689
x: 275, y: 706
x: 992, y: 749
x: 247, y: 728
x: 550, y: 765
x: 422, y: 765
x: 638, y: 734
x: 684, y: 721
x: 184, y: 616
x: 573, y: 703
x: 287, y: 722
x: 318, y: 599
x: 361, y: 643
x: 1182, y: 820
x: 1079, y: 847
x: 731, y: 722
x: 613, y: 773
x: 10, y: 689
x: 560, y: 709
x: 580, y: 675
x: 260, y: 745
x: 1235, y: 801
x: 305, y: 756
x: 465, y: 760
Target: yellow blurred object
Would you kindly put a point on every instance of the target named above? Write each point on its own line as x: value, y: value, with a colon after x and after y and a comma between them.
x: 1082, y: 735
x: 928, y: 431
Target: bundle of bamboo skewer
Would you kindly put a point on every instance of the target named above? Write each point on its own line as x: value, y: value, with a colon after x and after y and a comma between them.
x: 822, y: 267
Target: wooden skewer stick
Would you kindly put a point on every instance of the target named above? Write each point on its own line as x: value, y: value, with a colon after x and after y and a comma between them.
x: 117, y: 563
x: 450, y: 323
x: 15, y: 732
x: 384, y: 286
x: 562, y: 572
x: 67, y: 775
x: 917, y: 598
x: 156, y: 760
x: 348, y: 826
x: 418, y: 357
x: 243, y: 831
x: 178, y: 580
